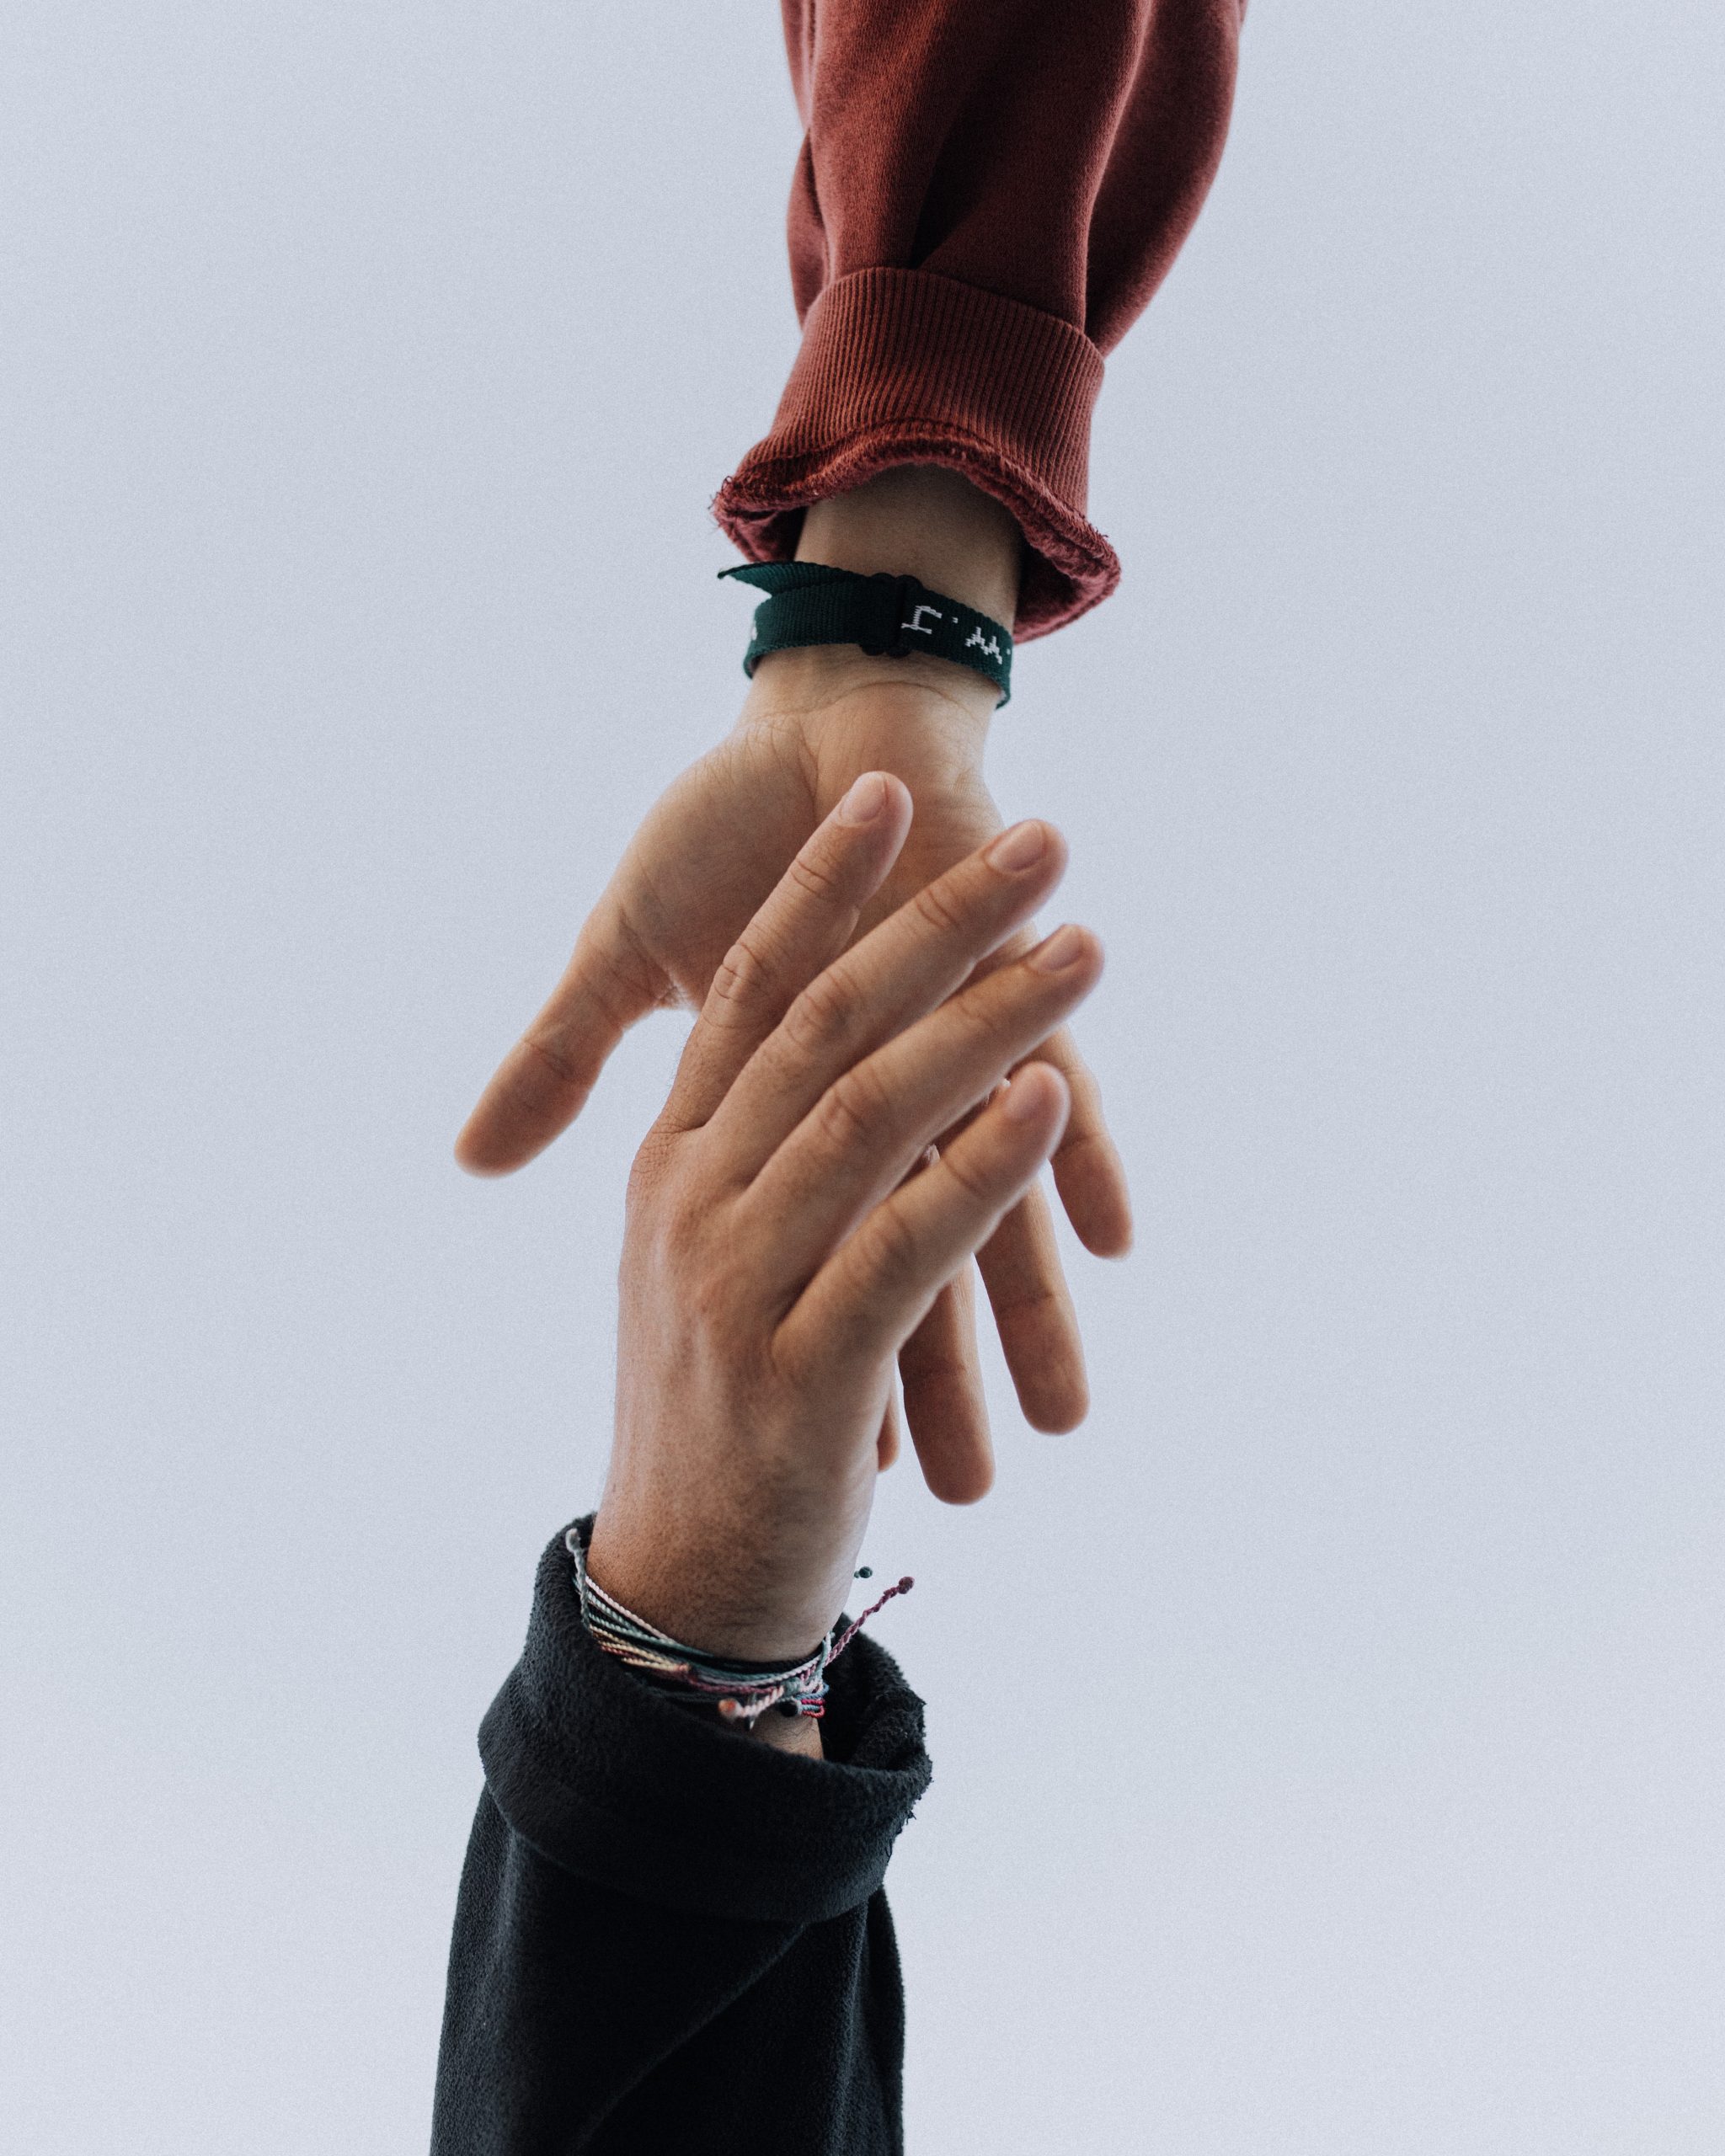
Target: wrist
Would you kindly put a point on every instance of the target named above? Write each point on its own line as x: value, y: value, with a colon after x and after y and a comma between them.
x: 848, y: 714
x: 758, y: 1611
x: 921, y: 520
x: 782, y: 1727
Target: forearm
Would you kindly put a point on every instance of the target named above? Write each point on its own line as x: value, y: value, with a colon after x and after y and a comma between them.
x: 648, y: 1899
x: 986, y: 199
x: 581, y: 2019
x: 925, y: 521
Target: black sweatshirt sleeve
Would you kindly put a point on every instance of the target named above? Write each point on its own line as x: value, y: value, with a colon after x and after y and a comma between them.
x: 669, y: 1937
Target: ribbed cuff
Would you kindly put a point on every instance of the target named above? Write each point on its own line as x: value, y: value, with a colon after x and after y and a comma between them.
x: 632, y: 1793
x: 900, y: 366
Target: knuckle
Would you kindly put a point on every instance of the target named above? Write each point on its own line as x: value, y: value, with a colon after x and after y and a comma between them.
x: 820, y: 1016
x: 1020, y: 1298
x: 981, y: 1188
x: 1083, y: 1144
x: 741, y: 978
x: 814, y: 875
x: 892, y: 1247
x: 940, y: 1362
x: 984, y: 1016
x: 618, y: 977
x: 936, y: 907
x: 930, y: 1371
x: 545, y: 1053
x: 1080, y: 1078
x: 855, y: 1110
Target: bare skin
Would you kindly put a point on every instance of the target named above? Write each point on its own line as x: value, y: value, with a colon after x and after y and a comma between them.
x: 711, y: 849
x: 790, y: 1232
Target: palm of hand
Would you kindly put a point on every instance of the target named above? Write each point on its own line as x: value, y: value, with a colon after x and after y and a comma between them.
x: 719, y: 838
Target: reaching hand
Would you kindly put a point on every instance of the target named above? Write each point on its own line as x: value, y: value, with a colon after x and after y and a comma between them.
x: 716, y: 844
x: 710, y: 851
x: 789, y: 1231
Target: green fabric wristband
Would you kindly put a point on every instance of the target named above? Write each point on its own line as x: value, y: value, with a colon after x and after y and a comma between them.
x: 889, y: 616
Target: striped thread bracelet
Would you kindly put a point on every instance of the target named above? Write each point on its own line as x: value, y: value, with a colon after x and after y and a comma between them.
x: 741, y: 1695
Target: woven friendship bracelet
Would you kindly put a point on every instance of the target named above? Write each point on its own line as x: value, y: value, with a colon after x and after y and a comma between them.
x: 741, y: 1695
x: 893, y: 615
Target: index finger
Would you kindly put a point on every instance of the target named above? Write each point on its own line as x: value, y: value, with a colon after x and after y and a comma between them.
x: 809, y: 918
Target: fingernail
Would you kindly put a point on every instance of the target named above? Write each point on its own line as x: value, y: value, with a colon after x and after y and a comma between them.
x: 1021, y: 847
x: 1064, y: 949
x: 865, y: 800
x: 1026, y: 1097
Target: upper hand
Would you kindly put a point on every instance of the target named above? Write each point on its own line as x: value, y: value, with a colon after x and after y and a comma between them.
x: 704, y: 862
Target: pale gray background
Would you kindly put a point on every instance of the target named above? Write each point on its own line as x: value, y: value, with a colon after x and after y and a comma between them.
x: 1328, y: 1735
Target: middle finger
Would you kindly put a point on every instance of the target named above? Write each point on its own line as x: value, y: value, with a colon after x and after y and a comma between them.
x: 899, y: 971
x: 851, y: 1149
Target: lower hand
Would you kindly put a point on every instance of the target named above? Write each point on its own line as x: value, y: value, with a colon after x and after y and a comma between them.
x: 788, y: 1231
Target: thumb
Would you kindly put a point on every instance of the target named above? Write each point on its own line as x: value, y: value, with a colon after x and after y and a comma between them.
x: 542, y: 1084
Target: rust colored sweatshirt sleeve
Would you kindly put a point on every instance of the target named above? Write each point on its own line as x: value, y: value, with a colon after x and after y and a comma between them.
x: 988, y: 194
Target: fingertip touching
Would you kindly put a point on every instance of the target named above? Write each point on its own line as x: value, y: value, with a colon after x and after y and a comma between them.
x: 871, y: 796
x: 1023, y: 847
x: 1036, y: 1093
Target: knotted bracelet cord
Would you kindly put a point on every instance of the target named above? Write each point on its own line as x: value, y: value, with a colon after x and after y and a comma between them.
x: 739, y: 1694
